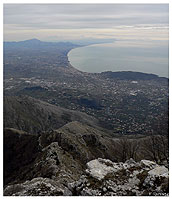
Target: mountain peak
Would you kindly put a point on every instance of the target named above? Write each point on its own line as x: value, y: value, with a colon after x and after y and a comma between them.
x: 32, y: 40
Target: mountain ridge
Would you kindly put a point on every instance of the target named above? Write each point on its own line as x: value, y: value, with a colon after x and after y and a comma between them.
x: 63, y: 162
x: 34, y: 43
x: 31, y: 115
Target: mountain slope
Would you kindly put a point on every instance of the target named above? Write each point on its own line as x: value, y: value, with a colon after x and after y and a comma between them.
x: 31, y: 115
x: 63, y: 162
x: 20, y: 149
x: 60, y: 154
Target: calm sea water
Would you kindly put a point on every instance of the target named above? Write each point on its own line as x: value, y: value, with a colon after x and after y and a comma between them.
x: 149, y: 58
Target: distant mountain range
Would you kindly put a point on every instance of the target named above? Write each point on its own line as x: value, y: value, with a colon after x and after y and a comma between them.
x: 36, y: 44
x: 84, y: 42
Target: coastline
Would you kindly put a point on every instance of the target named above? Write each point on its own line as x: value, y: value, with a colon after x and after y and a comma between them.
x: 120, y: 70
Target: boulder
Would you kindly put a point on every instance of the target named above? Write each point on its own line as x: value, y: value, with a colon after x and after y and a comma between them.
x: 157, y: 180
x: 99, y: 168
x: 159, y: 171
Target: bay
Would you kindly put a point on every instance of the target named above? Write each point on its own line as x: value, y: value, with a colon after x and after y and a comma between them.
x: 144, y: 57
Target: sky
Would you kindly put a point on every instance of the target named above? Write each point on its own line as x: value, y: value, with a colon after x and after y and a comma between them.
x: 54, y: 22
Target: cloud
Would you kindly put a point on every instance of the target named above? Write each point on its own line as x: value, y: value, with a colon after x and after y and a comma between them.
x: 25, y: 18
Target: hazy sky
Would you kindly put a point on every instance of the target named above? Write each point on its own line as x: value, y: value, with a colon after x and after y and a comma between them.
x: 52, y: 22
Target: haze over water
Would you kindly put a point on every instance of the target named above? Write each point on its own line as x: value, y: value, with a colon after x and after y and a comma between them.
x: 140, y: 32
x: 147, y: 57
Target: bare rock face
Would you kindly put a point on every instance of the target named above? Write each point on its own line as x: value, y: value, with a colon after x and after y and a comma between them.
x: 102, y: 178
x: 106, y: 178
x: 148, y: 164
x: 64, y: 162
x: 99, y: 168
x: 49, y: 174
x: 36, y: 187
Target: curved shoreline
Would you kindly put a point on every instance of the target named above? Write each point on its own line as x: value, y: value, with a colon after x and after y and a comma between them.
x: 118, y: 70
x: 77, y: 48
x: 88, y: 45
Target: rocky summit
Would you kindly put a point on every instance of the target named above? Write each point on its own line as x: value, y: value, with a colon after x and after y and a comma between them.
x: 79, y: 160
x: 102, y: 177
x: 106, y: 178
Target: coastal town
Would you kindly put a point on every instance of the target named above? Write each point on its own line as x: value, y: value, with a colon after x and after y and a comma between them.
x: 124, y: 106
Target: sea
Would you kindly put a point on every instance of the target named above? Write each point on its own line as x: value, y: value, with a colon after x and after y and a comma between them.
x: 148, y: 57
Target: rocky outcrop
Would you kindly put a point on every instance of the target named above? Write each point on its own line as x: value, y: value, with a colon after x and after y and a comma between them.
x: 104, y: 177
x: 82, y: 141
x: 36, y: 187
x: 61, y: 154
x: 47, y: 175
x: 75, y: 160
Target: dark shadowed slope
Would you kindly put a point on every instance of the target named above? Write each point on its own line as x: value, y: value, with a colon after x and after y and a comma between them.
x: 60, y: 154
x: 45, y: 164
x: 31, y: 115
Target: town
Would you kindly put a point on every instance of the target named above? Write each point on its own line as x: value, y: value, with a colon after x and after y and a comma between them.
x: 124, y: 106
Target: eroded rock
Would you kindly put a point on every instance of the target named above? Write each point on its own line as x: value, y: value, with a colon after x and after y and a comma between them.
x: 104, y: 177
x: 148, y: 164
x: 99, y: 168
x: 36, y: 187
